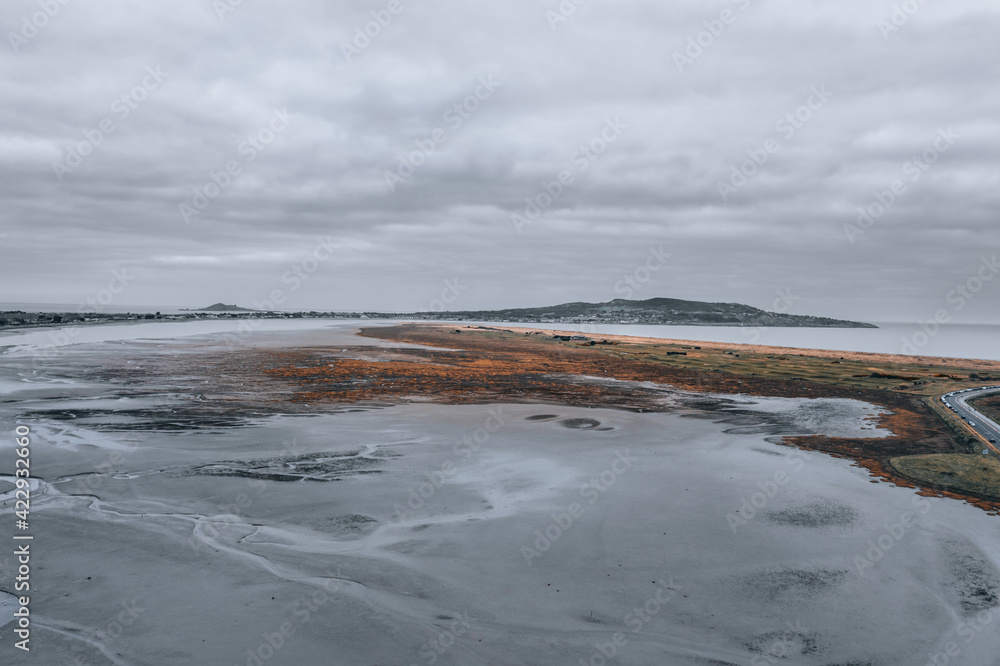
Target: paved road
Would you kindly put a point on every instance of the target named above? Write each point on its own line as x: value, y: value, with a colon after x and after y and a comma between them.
x: 975, y: 420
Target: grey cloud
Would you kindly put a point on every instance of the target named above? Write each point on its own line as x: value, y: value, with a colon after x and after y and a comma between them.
x: 656, y: 184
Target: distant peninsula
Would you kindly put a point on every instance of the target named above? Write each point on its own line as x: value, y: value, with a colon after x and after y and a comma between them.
x: 662, y: 311
x: 668, y: 311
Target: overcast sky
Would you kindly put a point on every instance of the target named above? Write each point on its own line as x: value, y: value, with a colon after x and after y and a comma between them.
x: 644, y: 108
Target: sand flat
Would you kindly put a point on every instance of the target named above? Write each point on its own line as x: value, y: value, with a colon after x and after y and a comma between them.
x: 490, y: 534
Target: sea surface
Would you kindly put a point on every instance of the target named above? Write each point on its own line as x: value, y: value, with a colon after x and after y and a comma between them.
x: 973, y: 341
x: 976, y: 341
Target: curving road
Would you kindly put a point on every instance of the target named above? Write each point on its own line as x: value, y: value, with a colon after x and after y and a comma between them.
x: 987, y: 429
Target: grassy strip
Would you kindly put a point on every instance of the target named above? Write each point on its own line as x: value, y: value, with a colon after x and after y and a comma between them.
x: 953, y: 472
x: 989, y: 405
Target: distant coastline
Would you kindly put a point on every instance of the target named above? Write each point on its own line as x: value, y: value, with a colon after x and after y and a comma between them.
x: 19, y: 319
x: 654, y: 311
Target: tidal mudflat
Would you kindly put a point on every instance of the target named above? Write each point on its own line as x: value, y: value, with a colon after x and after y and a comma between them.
x: 189, y: 514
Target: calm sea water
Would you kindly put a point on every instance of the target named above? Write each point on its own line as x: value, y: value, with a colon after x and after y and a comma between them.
x: 976, y: 341
x: 46, y: 337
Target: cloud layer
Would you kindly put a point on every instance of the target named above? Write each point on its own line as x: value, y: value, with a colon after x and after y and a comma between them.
x: 423, y: 142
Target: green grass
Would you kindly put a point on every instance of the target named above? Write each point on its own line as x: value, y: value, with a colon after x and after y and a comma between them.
x: 957, y: 472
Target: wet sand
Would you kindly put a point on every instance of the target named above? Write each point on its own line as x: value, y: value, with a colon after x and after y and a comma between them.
x: 188, y: 516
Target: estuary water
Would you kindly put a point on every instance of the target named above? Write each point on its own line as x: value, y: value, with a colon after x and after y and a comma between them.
x: 976, y: 341
x: 462, y: 535
x: 973, y: 341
